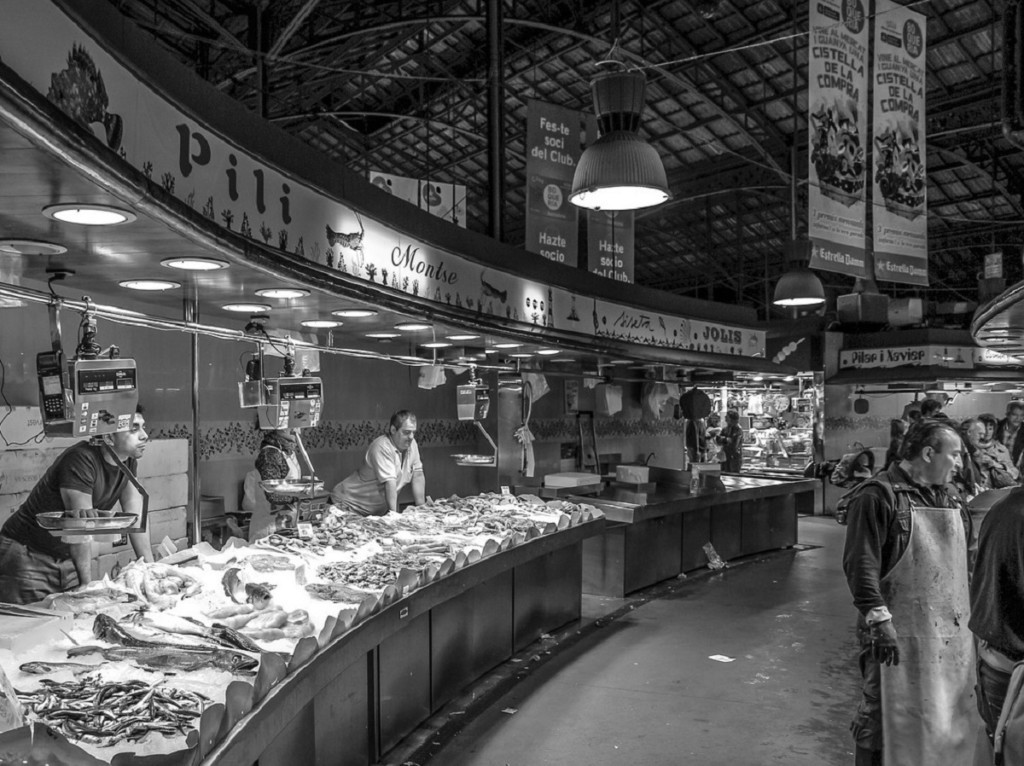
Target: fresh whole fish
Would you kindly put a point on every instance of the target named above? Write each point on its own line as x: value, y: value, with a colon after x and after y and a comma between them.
x: 46, y: 668
x: 241, y: 592
x: 172, y: 658
x: 91, y: 601
x: 187, y: 626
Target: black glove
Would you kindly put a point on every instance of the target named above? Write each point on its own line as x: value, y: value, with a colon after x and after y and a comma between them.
x: 884, y: 649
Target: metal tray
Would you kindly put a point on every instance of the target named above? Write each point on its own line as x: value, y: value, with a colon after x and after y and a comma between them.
x: 294, y: 487
x: 475, y: 460
x: 57, y: 522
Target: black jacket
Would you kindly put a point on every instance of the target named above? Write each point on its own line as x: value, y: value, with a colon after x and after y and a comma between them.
x: 1017, y: 446
x: 997, y: 589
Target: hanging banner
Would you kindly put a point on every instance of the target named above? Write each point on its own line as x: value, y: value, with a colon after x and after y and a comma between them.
x: 899, y: 195
x: 610, y: 244
x: 552, y: 151
x: 447, y: 201
x: 838, y: 128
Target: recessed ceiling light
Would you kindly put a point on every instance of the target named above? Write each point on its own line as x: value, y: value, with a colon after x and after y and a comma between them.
x: 412, y: 326
x: 195, y: 264
x: 507, y: 345
x: 462, y: 337
x: 436, y: 344
x: 149, y: 284
x: 757, y: 378
x: 547, y: 351
x: 321, y: 324
x: 30, y: 247
x: 247, y: 308
x: 283, y: 292
x: 519, y: 356
x: 383, y: 335
x: 89, y: 215
x: 354, y: 313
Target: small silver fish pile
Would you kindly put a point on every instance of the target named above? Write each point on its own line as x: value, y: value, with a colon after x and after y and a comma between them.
x: 104, y: 714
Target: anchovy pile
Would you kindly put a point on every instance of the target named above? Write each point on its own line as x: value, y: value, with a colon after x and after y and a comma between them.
x: 104, y: 714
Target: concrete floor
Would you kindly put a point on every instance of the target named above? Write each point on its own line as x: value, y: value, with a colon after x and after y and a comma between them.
x: 634, y: 684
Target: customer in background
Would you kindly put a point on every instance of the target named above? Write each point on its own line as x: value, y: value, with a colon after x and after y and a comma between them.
x: 1004, y: 473
x: 897, y: 430
x: 997, y: 603
x: 932, y: 408
x: 1009, y: 432
x: 897, y: 637
x: 731, y: 442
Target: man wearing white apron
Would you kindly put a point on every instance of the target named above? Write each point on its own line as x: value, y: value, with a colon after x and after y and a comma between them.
x: 905, y: 561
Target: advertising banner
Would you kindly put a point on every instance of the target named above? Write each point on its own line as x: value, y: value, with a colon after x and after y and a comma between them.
x: 900, y: 198
x: 552, y: 151
x: 610, y: 244
x: 447, y: 201
x: 838, y: 133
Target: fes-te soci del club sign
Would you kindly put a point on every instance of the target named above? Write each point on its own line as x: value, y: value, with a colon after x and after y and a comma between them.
x: 237, y: 191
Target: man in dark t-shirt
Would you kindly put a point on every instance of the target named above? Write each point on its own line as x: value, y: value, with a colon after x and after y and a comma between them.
x: 34, y: 563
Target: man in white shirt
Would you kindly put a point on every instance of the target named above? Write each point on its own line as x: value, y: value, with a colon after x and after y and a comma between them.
x: 392, y: 461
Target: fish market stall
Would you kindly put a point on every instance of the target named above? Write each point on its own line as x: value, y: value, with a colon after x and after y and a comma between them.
x: 328, y: 648
x: 657, y: 534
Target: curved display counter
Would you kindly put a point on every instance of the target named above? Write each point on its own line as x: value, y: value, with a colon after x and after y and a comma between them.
x: 653, y: 536
x: 368, y: 675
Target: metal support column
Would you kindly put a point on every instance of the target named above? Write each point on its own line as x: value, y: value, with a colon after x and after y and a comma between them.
x: 495, y: 118
x: 194, y: 520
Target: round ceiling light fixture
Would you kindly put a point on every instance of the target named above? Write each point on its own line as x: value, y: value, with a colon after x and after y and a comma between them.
x: 436, y: 344
x: 282, y: 292
x: 383, y: 335
x: 194, y: 264
x: 462, y: 337
x: 321, y: 324
x: 507, y: 345
x: 247, y: 308
x: 548, y: 351
x: 149, y: 285
x: 89, y: 215
x: 30, y: 247
x: 412, y: 326
x: 354, y: 313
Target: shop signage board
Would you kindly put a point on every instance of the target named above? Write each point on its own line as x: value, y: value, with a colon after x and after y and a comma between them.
x: 838, y: 135
x: 240, y: 192
x: 610, y: 244
x: 953, y: 357
x: 988, y: 357
x: 447, y: 201
x: 552, y: 152
x: 900, y: 191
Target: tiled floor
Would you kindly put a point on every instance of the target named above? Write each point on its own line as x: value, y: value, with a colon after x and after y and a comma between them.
x: 639, y: 686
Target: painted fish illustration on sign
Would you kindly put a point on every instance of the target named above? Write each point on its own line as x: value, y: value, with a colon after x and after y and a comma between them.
x: 490, y: 291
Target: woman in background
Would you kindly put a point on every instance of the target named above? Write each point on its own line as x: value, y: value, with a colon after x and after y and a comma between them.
x: 275, y: 460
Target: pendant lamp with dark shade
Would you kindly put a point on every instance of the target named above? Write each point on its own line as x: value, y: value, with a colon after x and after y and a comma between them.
x: 799, y: 286
x: 619, y: 171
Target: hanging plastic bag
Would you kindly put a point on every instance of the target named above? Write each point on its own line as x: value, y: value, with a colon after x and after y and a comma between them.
x: 607, y: 399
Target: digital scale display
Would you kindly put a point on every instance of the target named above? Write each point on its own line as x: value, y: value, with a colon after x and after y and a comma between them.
x: 106, y: 381
x: 296, y: 391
